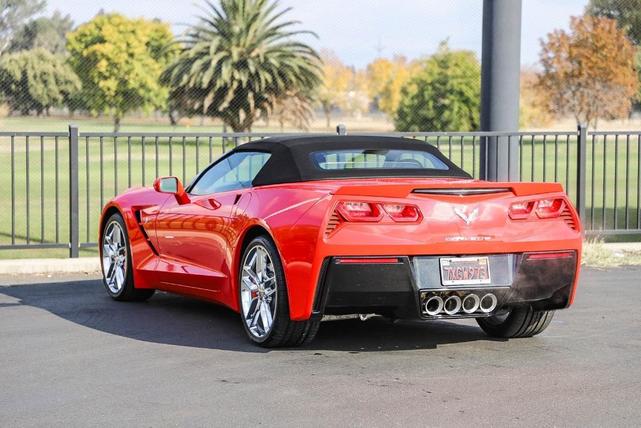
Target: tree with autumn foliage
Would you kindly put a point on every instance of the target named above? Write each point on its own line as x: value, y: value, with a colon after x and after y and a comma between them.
x: 533, y: 109
x: 385, y: 78
x: 336, y: 79
x: 589, y: 72
x: 343, y: 87
x: 627, y: 13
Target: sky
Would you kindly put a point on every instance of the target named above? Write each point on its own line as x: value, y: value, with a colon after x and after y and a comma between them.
x: 361, y: 30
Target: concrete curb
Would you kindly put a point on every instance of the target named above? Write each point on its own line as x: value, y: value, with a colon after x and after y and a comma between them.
x: 45, y: 266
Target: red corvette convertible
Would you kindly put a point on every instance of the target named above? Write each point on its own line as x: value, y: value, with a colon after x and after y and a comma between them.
x: 288, y: 229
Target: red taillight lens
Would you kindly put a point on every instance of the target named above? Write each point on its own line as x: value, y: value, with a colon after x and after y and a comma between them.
x: 359, y: 211
x: 549, y: 208
x: 521, y: 210
x: 402, y: 212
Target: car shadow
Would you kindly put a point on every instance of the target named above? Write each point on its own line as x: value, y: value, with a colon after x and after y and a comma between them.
x: 175, y: 320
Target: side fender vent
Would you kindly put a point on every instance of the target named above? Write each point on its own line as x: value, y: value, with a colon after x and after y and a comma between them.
x: 137, y: 214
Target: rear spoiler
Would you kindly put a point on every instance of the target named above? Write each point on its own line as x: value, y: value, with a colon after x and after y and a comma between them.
x: 452, y: 188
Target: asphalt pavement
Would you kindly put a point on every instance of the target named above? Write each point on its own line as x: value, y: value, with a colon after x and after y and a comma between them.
x: 70, y: 356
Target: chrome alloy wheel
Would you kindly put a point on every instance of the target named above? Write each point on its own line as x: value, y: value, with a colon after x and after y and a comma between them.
x: 114, y: 257
x: 258, y: 291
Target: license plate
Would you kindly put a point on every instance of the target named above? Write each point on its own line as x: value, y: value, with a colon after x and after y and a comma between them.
x: 465, y: 270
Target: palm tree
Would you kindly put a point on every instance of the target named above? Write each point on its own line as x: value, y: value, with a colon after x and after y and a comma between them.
x: 237, y: 60
x: 295, y: 109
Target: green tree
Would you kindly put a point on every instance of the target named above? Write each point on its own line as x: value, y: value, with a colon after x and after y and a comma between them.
x: 443, y: 95
x: 626, y: 12
x: 238, y: 60
x: 119, y: 61
x: 13, y: 14
x: 36, y: 80
x: 47, y: 33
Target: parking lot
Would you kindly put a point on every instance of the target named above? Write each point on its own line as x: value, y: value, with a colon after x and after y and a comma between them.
x: 70, y: 356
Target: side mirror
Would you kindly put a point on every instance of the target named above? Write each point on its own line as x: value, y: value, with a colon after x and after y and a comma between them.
x: 171, y: 185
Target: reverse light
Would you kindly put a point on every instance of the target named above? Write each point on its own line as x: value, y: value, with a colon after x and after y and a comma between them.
x: 549, y: 208
x: 402, y: 212
x: 359, y: 211
x: 521, y: 210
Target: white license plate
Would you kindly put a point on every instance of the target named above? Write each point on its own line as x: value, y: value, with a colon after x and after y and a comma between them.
x: 465, y: 270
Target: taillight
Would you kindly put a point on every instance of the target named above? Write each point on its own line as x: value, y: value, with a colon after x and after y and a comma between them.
x: 549, y: 208
x: 521, y: 210
x: 359, y: 211
x: 544, y: 208
x: 355, y: 211
x: 402, y: 212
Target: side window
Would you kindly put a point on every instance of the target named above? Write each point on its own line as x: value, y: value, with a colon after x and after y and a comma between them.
x: 234, y: 172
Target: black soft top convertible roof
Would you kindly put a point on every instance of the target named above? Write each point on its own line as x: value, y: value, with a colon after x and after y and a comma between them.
x: 291, y: 160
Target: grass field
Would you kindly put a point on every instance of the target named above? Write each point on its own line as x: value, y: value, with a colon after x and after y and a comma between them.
x: 60, y: 124
x: 110, y: 166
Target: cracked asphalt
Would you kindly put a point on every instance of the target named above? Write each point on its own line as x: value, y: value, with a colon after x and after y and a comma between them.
x: 70, y: 356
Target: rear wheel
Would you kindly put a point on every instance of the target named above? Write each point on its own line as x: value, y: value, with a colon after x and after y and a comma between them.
x: 116, y: 263
x: 522, y: 321
x: 264, y: 306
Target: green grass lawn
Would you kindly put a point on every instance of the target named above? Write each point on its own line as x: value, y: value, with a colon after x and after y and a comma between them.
x: 60, y: 124
x: 108, y: 167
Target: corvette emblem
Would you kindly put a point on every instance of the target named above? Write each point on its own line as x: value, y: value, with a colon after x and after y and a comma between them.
x: 467, y: 218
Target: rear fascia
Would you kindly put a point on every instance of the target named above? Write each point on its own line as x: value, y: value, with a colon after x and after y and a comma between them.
x: 394, y: 289
x: 425, y: 238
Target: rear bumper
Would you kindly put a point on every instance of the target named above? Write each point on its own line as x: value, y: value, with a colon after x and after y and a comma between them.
x: 400, y: 286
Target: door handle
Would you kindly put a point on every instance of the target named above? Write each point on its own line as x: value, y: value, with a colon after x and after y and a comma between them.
x: 208, y: 203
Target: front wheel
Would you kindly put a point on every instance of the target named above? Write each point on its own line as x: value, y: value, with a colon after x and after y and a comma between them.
x: 264, y: 305
x: 522, y: 321
x: 116, y: 263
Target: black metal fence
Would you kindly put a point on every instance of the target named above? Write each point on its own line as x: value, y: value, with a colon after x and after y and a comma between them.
x: 54, y: 184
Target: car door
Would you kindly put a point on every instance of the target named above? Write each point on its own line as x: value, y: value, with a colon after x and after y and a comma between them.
x: 194, y: 238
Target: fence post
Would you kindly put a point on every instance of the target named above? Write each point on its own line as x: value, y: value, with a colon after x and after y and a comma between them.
x: 74, y: 217
x: 581, y: 147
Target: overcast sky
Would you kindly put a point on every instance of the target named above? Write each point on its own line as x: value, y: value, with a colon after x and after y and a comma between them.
x: 357, y: 30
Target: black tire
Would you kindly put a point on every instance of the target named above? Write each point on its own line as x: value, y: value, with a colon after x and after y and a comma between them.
x: 521, y: 321
x: 127, y: 292
x: 283, y: 332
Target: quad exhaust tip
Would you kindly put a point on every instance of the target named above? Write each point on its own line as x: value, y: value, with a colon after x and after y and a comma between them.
x: 434, y: 305
x: 453, y: 304
x: 471, y: 303
x: 488, y: 303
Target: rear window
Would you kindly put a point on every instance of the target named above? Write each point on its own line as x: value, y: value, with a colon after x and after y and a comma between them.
x: 366, y: 159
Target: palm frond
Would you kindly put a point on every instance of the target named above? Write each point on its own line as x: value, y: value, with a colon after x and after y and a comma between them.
x: 240, y: 59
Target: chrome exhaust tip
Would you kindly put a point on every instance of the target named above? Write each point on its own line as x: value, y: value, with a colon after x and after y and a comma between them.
x: 471, y: 303
x: 434, y: 305
x: 488, y: 303
x: 452, y: 305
